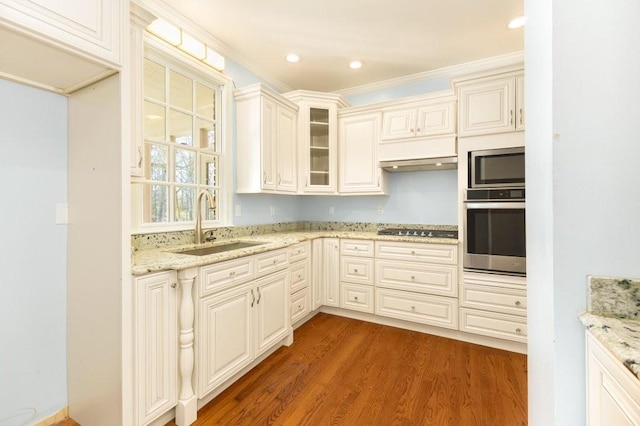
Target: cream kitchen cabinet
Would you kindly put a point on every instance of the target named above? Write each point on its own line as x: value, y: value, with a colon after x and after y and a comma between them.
x: 419, y: 127
x: 493, y: 104
x: 330, y: 272
x: 156, y: 345
x: 238, y: 325
x: 613, y: 392
x: 357, y: 275
x: 358, y: 139
x: 318, y: 140
x: 300, y: 279
x: 417, y: 282
x: 494, y: 305
x: 266, y: 126
x: 85, y: 27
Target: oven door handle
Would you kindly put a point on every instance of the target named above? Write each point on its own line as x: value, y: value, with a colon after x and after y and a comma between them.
x: 494, y: 205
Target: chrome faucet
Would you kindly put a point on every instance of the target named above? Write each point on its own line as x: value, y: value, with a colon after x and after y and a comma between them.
x: 211, y: 202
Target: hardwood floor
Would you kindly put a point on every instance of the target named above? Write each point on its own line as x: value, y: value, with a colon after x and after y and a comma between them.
x: 341, y: 371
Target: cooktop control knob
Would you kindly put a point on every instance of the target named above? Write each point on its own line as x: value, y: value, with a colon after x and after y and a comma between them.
x: 430, y: 234
x: 422, y: 235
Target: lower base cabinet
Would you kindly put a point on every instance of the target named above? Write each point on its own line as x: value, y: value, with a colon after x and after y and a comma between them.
x: 613, y: 393
x: 237, y: 326
x: 156, y: 345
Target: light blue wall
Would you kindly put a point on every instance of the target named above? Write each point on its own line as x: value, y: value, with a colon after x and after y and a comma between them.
x: 428, y: 85
x: 413, y: 197
x: 33, y: 169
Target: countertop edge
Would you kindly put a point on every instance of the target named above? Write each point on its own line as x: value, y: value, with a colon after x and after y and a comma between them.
x: 169, y: 258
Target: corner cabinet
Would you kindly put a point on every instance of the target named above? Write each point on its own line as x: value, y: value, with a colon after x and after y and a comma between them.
x: 491, y: 105
x: 613, y: 393
x: 359, y: 134
x: 266, y: 127
x: 156, y: 345
x: 318, y: 139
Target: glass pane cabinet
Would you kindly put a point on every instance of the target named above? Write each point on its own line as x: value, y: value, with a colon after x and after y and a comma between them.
x: 318, y: 140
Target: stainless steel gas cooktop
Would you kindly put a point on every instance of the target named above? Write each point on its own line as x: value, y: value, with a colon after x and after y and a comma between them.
x: 427, y: 233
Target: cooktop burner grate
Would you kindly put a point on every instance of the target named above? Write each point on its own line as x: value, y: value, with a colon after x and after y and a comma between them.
x: 414, y: 232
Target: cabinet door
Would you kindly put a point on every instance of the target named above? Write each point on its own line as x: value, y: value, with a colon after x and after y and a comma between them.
x: 487, y: 107
x: 137, y: 114
x: 358, y: 159
x: 330, y: 272
x: 88, y: 26
x: 269, y: 139
x: 271, y: 311
x: 520, y: 102
x: 156, y: 337
x: 320, y: 156
x: 317, y: 247
x: 398, y: 124
x: 224, y: 337
x: 287, y: 171
x: 436, y: 119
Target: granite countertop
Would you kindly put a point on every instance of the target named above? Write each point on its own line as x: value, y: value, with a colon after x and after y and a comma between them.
x: 613, y: 318
x: 170, y: 258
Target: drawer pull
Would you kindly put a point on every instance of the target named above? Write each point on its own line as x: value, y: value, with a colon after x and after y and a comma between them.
x: 299, y: 277
x: 413, y: 252
x: 518, y: 330
x: 232, y: 273
x: 413, y: 308
x: 173, y: 285
x: 259, y: 296
x: 253, y: 298
x: 518, y: 303
x: 413, y: 277
x: 275, y: 261
x: 355, y: 270
x: 355, y: 298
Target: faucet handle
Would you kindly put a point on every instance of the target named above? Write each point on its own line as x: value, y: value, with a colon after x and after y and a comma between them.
x: 208, y: 235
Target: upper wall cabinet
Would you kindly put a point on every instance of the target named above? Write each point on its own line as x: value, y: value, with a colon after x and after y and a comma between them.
x: 318, y: 140
x: 358, y: 137
x: 266, y: 134
x: 419, y: 127
x: 491, y: 105
x: 77, y: 41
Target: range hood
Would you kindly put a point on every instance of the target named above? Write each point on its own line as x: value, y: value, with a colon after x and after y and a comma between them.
x: 421, y: 164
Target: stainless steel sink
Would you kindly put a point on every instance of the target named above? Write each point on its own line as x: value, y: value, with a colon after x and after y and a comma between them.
x: 219, y: 248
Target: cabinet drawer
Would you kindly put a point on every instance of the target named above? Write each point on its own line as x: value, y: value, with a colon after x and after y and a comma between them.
x: 299, y: 252
x: 502, y: 326
x: 356, y: 297
x: 495, y: 299
x: 300, y: 305
x: 423, y: 252
x: 356, y: 270
x: 433, y: 310
x: 357, y: 247
x: 271, y: 261
x: 419, y: 277
x: 300, y: 274
x: 220, y: 276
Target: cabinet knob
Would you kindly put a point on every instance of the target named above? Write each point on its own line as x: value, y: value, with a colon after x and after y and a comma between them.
x: 413, y: 277
x: 413, y: 252
x: 355, y: 271
x: 275, y: 261
x: 411, y: 130
x: 517, y: 303
x: 518, y: 330
x: 174, y: 285
x: 299, y: 277
x: 355, y: 298
x: 413, y: 308
x: 418, y: 130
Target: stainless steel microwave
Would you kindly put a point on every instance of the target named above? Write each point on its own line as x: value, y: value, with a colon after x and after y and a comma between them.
x: 496, y: 168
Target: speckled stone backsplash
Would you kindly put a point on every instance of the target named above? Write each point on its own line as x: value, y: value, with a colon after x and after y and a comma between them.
x: 165, y: 239
x: 614, y: 297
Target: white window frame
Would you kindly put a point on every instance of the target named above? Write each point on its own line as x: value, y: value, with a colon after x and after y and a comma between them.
x: 178, y: 61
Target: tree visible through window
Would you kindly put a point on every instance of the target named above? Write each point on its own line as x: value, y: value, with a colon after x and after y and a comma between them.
x: 182, y: 150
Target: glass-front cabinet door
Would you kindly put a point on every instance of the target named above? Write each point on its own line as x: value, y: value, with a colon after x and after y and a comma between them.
x: 318, y: 139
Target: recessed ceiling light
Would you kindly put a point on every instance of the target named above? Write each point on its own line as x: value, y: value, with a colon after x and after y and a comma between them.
x: 354, y: 65
x: 517, y: 22
x: 293, y: 58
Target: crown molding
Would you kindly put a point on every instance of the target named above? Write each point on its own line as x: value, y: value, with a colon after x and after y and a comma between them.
x: 467, y: 68
x: 162, y: 10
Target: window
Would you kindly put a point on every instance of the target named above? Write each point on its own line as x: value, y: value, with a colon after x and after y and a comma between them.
x: 184, y: 150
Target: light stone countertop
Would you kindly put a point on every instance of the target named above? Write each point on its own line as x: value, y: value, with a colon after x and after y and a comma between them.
x: 613, y: 318
x: 169, y: 257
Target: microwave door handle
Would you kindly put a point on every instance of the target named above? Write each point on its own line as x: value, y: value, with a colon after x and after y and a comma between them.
x: 498, y: 205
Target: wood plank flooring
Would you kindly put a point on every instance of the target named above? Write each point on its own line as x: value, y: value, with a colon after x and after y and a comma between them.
x: 342, y: 371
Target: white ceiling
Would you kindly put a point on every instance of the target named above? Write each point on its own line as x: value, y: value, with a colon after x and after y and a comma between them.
x: 394, y: 38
